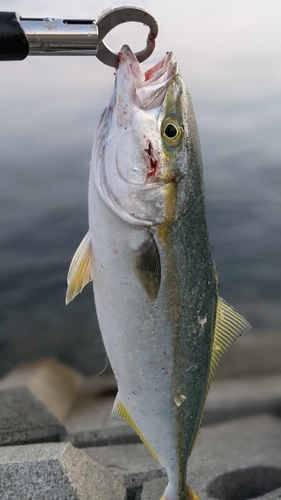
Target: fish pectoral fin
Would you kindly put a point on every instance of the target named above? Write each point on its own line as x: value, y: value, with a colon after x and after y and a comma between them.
x: 120, y: 411
x: 147, y: 267
x: 80, y: 269
x: 229, y: 325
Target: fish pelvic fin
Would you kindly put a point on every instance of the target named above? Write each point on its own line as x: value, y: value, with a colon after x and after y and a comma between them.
x: 80, y: 269
x: 229, y: 325
x: 187, y: 494
x: 120, y: 411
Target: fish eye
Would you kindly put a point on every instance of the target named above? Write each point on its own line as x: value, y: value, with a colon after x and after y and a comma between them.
x: 171, y: 132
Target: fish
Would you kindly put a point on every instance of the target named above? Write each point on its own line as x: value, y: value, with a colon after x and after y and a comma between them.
x: 147, y: 252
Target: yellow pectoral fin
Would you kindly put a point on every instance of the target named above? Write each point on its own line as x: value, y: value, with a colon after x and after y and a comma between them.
x: 120, y: 411
x: 80, y: 270
x: 229, y: 325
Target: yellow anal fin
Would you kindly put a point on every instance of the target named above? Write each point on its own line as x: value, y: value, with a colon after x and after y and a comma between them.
x: 80, y: 269
x: 120, y: 411
x: 229, y: 325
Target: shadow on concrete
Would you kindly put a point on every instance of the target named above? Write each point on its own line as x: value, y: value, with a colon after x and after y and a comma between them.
x: 248, y: 483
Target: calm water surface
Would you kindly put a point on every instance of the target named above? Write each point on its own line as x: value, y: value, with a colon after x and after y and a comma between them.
x: 230, y: 60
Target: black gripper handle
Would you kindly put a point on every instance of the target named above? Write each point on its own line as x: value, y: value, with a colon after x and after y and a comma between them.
x: 13, y: 43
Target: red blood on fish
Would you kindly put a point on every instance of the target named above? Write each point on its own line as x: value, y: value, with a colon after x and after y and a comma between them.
x: 153, y: 163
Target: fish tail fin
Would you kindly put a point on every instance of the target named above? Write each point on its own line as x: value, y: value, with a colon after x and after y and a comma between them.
x: 188, y: 494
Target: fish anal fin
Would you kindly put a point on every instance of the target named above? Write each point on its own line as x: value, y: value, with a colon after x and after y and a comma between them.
x: 80, y: 269
x: 120, y: 411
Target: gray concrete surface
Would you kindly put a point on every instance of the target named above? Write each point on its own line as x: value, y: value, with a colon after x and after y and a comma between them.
x: 230, y: 399
x: 46, y: 401
x: 121, y: 434
x: 91, y: 412
x: 251, y: 445
x: 89, y: 422
x: 255, y: 354
x: 133, y: 462
x: 124, y: 459
x: 52, y: 383
x: 55, y: 472
x: 24, y: 419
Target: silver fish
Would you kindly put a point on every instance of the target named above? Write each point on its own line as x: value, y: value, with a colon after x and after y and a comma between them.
x: 147, y: 251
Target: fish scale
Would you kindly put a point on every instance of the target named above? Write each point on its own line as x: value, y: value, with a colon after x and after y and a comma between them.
x: 147, y: 251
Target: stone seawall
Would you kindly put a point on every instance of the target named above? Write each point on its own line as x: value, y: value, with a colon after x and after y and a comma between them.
x: 58, y: 441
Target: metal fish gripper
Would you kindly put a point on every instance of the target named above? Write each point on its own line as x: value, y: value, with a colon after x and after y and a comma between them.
x: 21, y: 37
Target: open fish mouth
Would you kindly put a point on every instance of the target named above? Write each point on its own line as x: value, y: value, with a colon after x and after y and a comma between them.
x: 132, y: 171
x: 148, y: 89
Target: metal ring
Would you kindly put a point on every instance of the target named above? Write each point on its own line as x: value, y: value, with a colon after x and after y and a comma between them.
x: 120, y: 15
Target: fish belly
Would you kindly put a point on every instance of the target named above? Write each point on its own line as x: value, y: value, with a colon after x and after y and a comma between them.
x: 145, y: 340
x: 135, y: 330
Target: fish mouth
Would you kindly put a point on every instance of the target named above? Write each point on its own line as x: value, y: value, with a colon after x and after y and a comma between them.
x: 148, y: 89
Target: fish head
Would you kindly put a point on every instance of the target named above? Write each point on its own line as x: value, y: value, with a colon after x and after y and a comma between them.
x: 142, y: 148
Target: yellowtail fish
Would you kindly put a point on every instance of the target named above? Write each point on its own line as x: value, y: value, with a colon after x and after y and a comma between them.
x: 147, y: 252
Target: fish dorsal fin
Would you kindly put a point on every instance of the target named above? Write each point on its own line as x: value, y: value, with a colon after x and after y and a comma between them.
x: 120, y: 411
x: 229, y: 325
x: 80, y: 269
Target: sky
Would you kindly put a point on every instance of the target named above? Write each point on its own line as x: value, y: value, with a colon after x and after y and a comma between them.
x: 229, y: 54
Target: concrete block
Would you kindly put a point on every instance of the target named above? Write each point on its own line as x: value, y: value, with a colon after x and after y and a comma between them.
x: 274, y: 495
x: 89, y: 422
x: 253, y: 355
x: 124, y: 459
x: 55, y: 472
x: 122, y: 434
x: 230, y: 399
x: 236, y: 460
x: 23, y: 419
x: 52, y: 383
x: 133, y: 462
x: 91, y: 412
x: 152, y: 490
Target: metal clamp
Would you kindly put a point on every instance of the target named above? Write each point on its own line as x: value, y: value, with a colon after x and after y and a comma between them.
x: 121, y: 15
x: 85, y: 37
x: 60, y: 37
